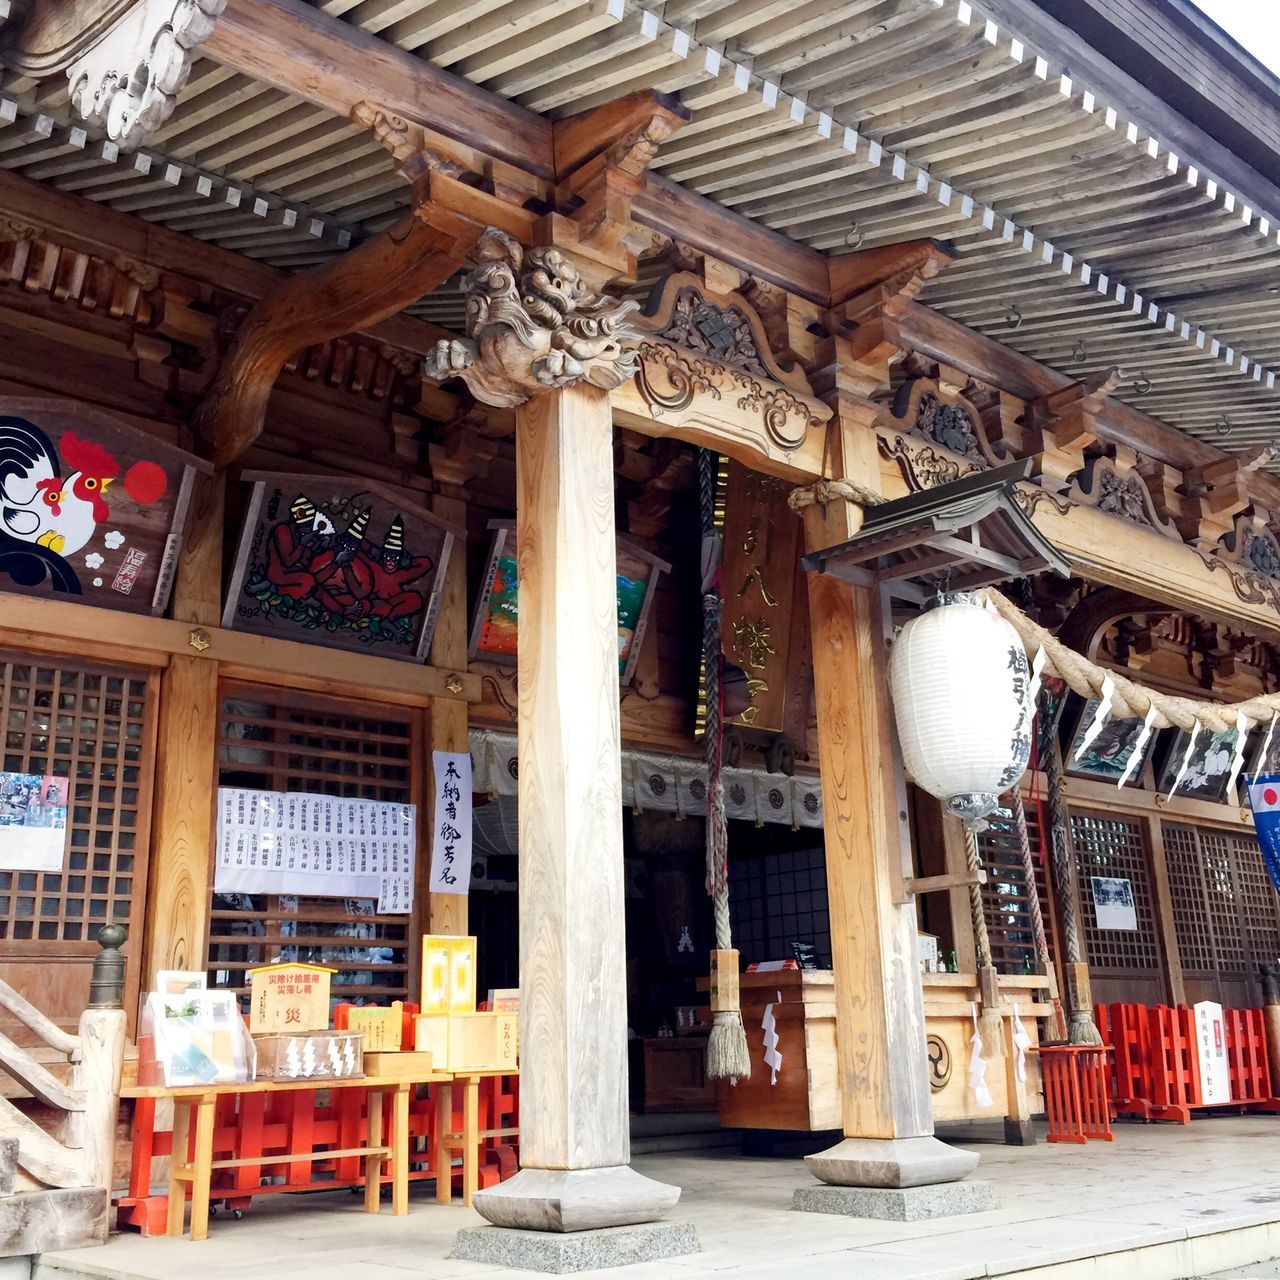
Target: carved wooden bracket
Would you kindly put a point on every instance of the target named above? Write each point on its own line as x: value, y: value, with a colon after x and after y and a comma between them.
x: 1217, y: 492
x: 374, y: 281
x: 938, y: 413
x: 125, y: 61
x: 1116, y: 486
x: 1060, y: 426
x: 532, y: 325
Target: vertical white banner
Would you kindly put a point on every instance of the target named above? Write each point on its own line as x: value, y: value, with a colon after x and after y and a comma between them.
x: 451, y: 823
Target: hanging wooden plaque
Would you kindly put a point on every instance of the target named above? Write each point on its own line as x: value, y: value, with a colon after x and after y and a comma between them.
x: 493, y: 631
x: 757, y: 583
x: 344, y: 563
x: 92, y: 508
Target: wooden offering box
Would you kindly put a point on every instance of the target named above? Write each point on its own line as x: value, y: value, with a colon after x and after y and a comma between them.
x: 462, y: 1042
x: 805, y: 1095
x: 289, y: 997
x: 403, y: 1064
x: 310, y: 1055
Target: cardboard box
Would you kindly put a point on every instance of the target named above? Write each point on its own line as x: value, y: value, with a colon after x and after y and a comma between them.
x: 310, y: 1055
x: 289, y: 997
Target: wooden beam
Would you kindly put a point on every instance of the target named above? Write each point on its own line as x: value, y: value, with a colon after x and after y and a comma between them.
x: 93, y: 228
x: 370, y: 283
x: 36, y: 624
x: 296, y: 47
x: 645, y: 113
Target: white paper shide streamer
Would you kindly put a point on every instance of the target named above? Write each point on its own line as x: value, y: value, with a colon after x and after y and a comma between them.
x: 1099, y: 717
x: 1021, y: 1042
x: 1038, y: 664
x: 772, y: 1055
x: 978, y: 1065
x: 1186, y: 759
x: 1139, y: 747
x: 1243, y: 725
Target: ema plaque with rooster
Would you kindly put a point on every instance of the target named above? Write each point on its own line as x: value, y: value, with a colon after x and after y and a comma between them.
x: 348, y: 564
x: 91, y: 508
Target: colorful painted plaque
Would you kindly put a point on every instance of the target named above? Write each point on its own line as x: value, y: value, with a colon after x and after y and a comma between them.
x: 493, y: 632
x: 91, y: 508
x: 33, y: 821
x: 348, y: 564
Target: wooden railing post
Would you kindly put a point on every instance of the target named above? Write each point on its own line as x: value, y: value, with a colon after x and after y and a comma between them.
x: 97, y: 1073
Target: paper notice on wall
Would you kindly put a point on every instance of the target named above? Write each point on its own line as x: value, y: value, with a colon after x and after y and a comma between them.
x: 326, y: 846
x: 33, y: 821
x: 451, y: 823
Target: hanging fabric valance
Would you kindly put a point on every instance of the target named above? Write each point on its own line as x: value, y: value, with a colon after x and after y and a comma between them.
x: 669, y: 784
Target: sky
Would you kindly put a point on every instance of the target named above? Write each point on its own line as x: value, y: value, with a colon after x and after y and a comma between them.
x: 1253, y: 23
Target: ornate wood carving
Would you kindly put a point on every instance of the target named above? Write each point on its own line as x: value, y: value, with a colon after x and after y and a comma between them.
x: 1116, y: 487
x: 1252, y: 546
x: 925, y: 408
x: 125, y: 62
x: 922, y: 465
x: 533, y: 324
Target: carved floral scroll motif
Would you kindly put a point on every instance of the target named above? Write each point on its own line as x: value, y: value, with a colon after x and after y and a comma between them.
x: 1119, y: 490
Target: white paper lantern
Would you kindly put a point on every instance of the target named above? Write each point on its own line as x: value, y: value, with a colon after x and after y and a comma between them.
x: 962, y: 699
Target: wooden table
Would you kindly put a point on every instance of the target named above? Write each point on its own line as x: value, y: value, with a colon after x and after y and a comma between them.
x: 468, y: 1140
x: 202, y: 1099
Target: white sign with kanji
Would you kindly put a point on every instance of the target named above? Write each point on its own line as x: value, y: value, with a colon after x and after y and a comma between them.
x: 451, y: 823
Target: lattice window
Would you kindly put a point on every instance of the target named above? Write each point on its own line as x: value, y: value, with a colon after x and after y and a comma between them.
x: 1191, y: 923
x: 1220, y: 896
x: 1259, y: 903
x: 1225, y: 911
x: 1004, y: 896
x: 1113, y: 847
x: 777, y: 899
x: 94, y: 726
x: 286, y: 741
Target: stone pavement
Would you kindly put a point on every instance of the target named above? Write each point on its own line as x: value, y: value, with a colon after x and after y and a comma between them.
x: 1160, y: 1203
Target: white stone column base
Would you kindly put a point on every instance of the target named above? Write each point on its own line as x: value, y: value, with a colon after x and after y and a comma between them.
x: 891, y: 1162
x: 575, y: 1199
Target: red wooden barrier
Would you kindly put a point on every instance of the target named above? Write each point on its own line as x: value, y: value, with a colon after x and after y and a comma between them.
x: 1075, y: 1078
x: 1125, y: 1028
x: 1175, y: 1065
x: 1247, y: 1058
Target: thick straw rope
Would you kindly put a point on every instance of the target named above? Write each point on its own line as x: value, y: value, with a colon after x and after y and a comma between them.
x: 1129, y: 700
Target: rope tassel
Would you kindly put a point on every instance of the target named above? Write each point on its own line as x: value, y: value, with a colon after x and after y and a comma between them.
x: 728, y: 1056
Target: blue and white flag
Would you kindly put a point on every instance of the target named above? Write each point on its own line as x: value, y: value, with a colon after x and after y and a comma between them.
x: 1264, y: 800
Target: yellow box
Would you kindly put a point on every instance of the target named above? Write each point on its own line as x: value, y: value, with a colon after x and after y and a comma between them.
x: 383, y: 1028
x: 462, y: 1042
x: 289, y: 997
x: 448, y: 974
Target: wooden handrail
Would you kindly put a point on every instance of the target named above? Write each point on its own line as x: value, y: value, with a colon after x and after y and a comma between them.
x: 31, y: 1017
x: 38, y: 1079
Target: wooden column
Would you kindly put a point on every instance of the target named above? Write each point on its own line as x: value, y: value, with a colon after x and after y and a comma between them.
x: 186, y: 769
x: 574, y: 1122
x: 1163, y: 892
x: 880, y: 1036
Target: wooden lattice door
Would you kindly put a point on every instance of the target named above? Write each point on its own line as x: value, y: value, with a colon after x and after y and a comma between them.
x: 284, y: 740
x: 1226, y: 915
x: 1125, y: 964
x: 94, y: 726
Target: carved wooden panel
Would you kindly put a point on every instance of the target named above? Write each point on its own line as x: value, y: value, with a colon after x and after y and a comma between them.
x: 1120, y: 490
x: 923, y: 408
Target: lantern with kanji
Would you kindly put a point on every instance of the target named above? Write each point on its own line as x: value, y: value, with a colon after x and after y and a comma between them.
x: 962, y: 700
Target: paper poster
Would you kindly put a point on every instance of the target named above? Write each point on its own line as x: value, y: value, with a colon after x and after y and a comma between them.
x: 329, y: 846
x: 1113, y: 904
x: 451, y: 834
x: 33, y: 821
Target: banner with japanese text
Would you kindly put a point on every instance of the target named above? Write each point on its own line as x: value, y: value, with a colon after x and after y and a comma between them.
x: 451, y: 823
